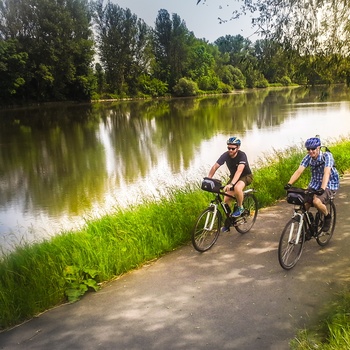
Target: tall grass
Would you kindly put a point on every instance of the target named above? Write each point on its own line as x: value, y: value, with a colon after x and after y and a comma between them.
x: 36, y: 277
x: 333, y: 333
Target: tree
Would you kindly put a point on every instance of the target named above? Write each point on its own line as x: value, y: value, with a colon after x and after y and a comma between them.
x: 172, y: 42
x: 56, y: 37
x: 308, y: 26
x: 12, y: 69
x: 237, y: 47
x: 123, y: 42
x: 200, y: 62
x: 273, y: 61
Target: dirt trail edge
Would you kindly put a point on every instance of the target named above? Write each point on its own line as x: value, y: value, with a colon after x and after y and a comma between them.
x: 235, y: 296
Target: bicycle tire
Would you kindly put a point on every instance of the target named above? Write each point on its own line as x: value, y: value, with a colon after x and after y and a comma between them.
x: 246, y: 221
x: 203, y: 238
x: 289, y: 251
x: 323, y: 238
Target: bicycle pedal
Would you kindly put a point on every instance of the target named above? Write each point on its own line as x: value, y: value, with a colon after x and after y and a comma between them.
x: 238, y: 221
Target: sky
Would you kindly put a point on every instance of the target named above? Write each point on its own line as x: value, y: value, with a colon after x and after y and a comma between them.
x: 201, y: 19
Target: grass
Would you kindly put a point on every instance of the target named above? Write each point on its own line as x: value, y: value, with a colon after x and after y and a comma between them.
x: 36, y: 277
x: 331, y: 334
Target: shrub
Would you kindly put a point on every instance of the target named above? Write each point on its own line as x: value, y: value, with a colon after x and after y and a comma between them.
x: 285, y: 81
x: 185, y: 87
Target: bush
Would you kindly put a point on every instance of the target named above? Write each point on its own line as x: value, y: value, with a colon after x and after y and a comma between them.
x: 224, y: 88
x: 285, y: 81
x: 185, y: 87
x: 262, y: 83
x: 152, y: 86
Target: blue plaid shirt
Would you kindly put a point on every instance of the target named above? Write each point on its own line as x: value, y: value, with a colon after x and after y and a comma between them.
x: 324, y: 159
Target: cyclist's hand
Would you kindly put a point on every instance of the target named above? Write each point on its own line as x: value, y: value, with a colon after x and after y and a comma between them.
x: 287, y: 187
x: 228, y: 187
x: 320, y: 192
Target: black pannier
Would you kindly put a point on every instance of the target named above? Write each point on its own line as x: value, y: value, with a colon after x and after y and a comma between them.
x: 296, y: 197
x: 211, y: 185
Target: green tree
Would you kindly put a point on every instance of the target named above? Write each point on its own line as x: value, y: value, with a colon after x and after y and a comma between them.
x: 172, y: 43
x: 274, y: 62
x: 200, y: 61
x: 56, y: 37
x: 241, y: 53
x: 238, y: 48
x: 233, y: 77
x: 123, y: 42
x: 308, y: 26
x: 12, y: 69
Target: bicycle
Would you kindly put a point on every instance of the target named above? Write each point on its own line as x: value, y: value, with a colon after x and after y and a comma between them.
x: 208, y: 225
x: 303, y: 226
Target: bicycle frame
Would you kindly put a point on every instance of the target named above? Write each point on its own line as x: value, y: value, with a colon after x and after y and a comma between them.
x: 293, y: 237
x: 208, y: 225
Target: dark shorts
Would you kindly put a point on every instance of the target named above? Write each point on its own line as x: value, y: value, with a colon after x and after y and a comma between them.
x: 325, y: 197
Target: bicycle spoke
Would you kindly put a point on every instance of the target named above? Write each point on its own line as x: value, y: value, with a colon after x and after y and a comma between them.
x: 290, y: 245
x: 246, y: 221
x: 206, y: 230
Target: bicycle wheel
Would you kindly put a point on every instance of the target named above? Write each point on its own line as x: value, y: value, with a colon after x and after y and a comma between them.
x: 323, y: 238
x: 207, y: 229
x: 289, y: 249
x: 246, y: 221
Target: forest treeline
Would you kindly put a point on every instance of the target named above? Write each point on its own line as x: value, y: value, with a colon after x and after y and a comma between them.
x: 57, y: 50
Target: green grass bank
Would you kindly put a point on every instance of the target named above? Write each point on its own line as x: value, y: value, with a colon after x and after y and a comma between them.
x: 36, y: 277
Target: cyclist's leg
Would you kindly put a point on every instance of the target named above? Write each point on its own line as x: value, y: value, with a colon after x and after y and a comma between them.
x: 320, y: 202
x: 239, y: 188
x: 238, y: 192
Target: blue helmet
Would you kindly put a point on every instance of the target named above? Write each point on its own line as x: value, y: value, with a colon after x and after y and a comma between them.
x: 313, y: 142
x: 234, y: 141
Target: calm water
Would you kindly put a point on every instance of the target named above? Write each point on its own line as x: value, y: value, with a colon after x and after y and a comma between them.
x: 62, y: 164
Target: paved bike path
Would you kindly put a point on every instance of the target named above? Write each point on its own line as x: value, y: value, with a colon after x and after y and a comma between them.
x: 235, y: 296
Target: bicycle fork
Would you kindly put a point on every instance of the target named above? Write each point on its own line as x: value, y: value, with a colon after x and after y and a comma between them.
x: 298, y: 221
x: 210, y: 219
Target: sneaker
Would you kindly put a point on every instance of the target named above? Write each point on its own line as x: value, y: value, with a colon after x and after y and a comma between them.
x: 225, y: 229
x: 238, y: 212
x: 327, y: 223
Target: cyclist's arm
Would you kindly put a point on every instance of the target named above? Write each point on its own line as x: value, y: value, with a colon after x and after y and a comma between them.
x: 296, y: 174
x: 238, y: 173
x: 326, y: 175
x: 213, y: 169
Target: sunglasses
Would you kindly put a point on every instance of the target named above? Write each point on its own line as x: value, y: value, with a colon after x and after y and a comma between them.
x: 231, y: 148
x: 311, y: 149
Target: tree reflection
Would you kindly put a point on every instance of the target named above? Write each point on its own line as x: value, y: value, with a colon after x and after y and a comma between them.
x: 66, y: 158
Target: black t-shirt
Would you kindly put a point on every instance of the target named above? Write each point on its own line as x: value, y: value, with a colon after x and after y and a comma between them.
x: 232, y: 163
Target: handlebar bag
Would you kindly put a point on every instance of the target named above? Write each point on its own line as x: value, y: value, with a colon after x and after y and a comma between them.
x: 211, y: 185
x: 296, y: 197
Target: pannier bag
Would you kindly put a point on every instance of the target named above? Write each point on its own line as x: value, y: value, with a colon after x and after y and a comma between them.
x: 296, y: 197
x: 211, y: 185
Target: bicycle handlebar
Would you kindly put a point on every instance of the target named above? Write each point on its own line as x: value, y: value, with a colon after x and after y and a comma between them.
x: 303, y: 190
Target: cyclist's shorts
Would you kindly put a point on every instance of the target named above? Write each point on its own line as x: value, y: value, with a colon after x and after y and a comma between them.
x: 247, y: 179
x: 325, y: 197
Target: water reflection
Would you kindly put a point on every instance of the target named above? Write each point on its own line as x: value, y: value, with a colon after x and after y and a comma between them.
x: 60, y: 162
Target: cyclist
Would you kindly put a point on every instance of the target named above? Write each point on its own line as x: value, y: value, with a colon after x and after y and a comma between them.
x: 240, y: 174
x: 324, y: 177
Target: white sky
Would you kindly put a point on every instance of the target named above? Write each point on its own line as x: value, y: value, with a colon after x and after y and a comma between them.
x: 202, y: 19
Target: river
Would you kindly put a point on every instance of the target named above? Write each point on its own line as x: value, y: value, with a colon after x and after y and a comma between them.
x: 63, y: 164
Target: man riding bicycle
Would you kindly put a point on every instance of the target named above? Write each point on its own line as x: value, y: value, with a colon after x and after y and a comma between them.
x: 240, y: 174
x: 324, y: 178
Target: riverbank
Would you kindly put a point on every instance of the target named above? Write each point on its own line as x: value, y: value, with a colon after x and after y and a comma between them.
x: 37, y: 277
x: 235, y: 296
